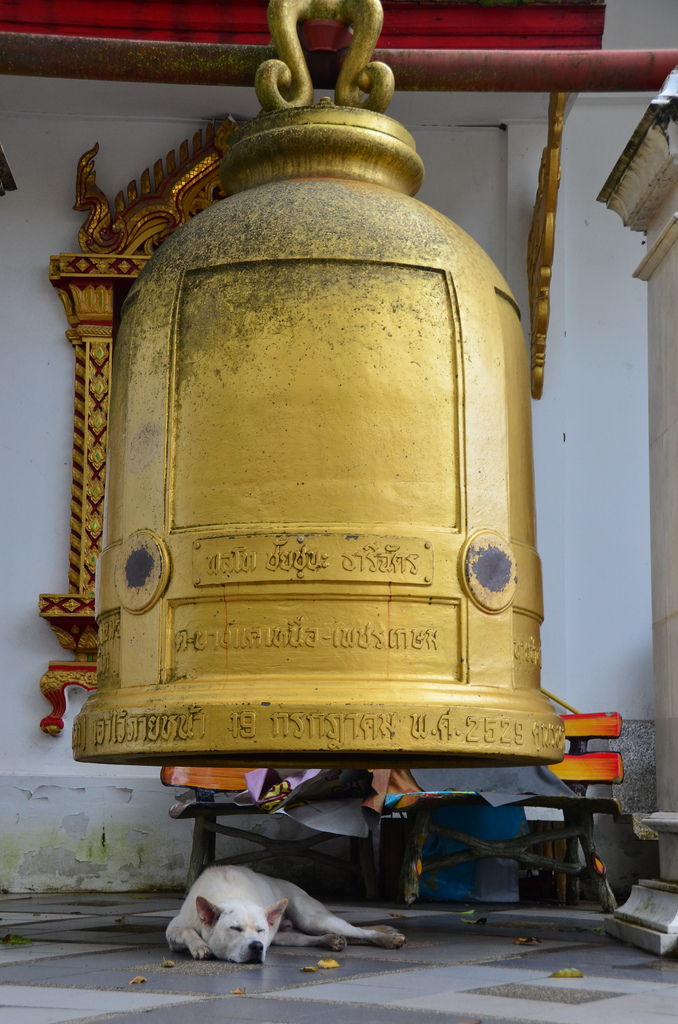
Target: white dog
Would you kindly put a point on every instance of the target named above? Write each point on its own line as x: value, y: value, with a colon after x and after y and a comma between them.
x: 234, y: 914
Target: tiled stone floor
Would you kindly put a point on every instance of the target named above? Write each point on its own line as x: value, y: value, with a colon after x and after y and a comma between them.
x: 84, y: 951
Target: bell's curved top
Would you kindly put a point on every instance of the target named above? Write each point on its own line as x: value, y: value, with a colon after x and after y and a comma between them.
x: 324, y: 141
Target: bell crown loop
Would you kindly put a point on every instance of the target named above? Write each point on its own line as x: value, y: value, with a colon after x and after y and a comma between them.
x: 287, y: 82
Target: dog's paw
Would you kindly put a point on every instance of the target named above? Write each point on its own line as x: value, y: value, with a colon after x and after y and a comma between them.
x: 202, y: 952
x: 337, y: 942
x: 388, y: 937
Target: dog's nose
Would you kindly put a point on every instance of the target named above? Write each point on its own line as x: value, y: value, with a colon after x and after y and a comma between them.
x: 255, y: 952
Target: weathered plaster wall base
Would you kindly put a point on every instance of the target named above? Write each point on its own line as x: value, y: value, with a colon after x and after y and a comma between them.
x: 64, y: 834
x: 61, y: 833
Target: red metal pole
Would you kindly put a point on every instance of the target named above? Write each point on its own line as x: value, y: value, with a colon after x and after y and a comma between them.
x: 530, y: 70
x: 122, y: 60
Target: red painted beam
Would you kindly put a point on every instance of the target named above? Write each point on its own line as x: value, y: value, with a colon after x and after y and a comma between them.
x: 427, y: 25
x: 530, y: 70
x: 415, y: 70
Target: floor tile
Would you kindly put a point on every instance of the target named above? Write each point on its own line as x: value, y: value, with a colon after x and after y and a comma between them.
x: 606, y: 961
x: 97, y: 930
x: 543, y: 993
x: 10, y: 955
x: 92, y: 958
x: 620, y: 1010
x: 619, y: 986
x: 164, y: 914
x: 211, y: 977
x: 424, y: 949
x: 39, y: 1015
x: 400, y: 989
x: 8, y: 920
x: 360, y: 915
x: 246, y: 1010
x: 78, y: 999
x: 561, y: 913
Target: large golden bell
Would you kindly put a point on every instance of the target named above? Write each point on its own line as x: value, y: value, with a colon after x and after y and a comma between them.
x: 320, y: 531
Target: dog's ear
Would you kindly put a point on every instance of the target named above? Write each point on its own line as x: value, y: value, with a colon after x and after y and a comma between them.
x: 207, y: 912
x: 275, y: 911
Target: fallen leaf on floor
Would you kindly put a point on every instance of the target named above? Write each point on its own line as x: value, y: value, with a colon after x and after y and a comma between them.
x: 524, y: 942
x: 167, y: 963
x: 119, y: 920
x: 480, y: 920
x: 327, y: 963
x: 466, y: 913
x: 36, y: 915
x: 139, y: 980
x: 308, y: 969
x: 567, y: 972
x: 237, y: 991
x: 16, y: 940
x: 597, y: 929
x: 397, y: 915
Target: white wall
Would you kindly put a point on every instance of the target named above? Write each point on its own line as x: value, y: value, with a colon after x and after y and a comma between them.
x: 591, y: 441
x: 591, y: 487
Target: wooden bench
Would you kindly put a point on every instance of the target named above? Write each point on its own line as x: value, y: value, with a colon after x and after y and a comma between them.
x: 579, y: 770
x: 212, y: 798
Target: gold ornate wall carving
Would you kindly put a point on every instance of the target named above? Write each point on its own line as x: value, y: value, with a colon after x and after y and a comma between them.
x: 92, y: 284
x: 541, y: 244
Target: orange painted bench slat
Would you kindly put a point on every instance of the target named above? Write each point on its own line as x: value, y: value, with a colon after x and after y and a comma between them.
x: 598, y: 726
x: 604, y: 767
x: 222, y: 779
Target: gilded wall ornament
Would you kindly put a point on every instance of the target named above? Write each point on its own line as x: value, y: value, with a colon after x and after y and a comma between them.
x: 145, y: 216
x: 541, y: 243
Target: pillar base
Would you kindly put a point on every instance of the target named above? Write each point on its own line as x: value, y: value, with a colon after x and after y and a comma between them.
x: 649, y: 918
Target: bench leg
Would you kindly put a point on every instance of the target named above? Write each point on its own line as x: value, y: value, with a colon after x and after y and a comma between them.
x: 571, y: 857
x: 560, y: 852
x: 367, y: 868
x: 210, y: 844
x: 202, y: 851
x: 596, y: 868
x: 408, y: 884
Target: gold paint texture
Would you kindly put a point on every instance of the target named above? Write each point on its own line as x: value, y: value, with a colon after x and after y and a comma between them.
x: 320, y: 394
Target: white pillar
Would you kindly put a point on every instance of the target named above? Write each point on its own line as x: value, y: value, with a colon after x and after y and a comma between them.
x: 643, y: 190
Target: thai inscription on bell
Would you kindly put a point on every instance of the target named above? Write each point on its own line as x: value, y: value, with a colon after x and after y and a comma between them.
x: 326, y: 557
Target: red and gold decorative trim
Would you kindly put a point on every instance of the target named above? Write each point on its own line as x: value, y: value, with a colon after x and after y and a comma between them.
x: 146, y: 216
x: 53, y: 684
